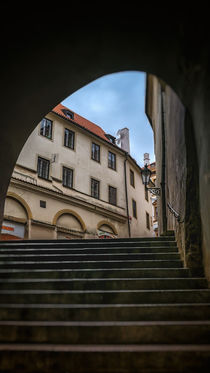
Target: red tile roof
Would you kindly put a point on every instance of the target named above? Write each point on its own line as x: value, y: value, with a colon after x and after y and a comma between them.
x: 90, y: 126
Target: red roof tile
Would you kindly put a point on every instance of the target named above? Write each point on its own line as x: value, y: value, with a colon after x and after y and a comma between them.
x: 80, y: 121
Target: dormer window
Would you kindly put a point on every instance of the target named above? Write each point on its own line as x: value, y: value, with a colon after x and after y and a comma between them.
x: 111, y: 138
x: 69, y: 114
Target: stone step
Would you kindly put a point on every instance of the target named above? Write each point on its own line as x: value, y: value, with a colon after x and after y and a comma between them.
x: 86, y: 244
x: 122, y: 358
x: 91, y: 250
x: 92, y: 240
x: 100, y: 264
x: 104, y: 283
x: 96, y: 273
x: 105, y: 296
x: 110, y: 242
x: 105, y: 312
x: 105, y: 332
x: 87, y: 257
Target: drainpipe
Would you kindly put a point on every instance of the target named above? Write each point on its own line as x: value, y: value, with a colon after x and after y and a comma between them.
x: 163, y: 177
x: 126, y: 194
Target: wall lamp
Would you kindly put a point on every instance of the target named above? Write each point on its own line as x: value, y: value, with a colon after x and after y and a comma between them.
x: 145, y: 174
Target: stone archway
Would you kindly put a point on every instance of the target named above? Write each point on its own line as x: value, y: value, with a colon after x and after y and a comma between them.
x: 40, y: 69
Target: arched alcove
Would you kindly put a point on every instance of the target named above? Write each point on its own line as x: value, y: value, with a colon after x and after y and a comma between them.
x: 16, y: 218
x: 107, y: 227
x: 69, y: 224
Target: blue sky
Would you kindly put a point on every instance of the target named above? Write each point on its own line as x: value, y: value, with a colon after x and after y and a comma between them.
x: 116, y: 101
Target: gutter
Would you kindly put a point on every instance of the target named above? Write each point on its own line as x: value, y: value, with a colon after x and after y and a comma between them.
x: 163, y: 166
x: 126, y: 194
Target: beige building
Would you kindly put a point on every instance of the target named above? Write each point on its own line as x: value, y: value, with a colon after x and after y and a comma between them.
x: 72, y: 181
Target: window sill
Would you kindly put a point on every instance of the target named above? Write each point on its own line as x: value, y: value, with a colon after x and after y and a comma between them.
x: 42, y: 178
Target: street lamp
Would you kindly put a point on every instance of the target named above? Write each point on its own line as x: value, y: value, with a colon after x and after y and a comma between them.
x: 145, y: 174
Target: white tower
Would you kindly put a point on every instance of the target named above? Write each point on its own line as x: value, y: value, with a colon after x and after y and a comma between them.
x: 123, y: 139
x: 146, y: 159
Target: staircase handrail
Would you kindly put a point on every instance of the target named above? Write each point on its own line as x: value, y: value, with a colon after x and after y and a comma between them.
x: 175, y: 213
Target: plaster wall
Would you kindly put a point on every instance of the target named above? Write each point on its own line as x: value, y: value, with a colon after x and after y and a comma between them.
x: 176, y: 166
x: 78, y: 159
x: 137, y: 193
x: 43, y: 218
x: 181, y: 171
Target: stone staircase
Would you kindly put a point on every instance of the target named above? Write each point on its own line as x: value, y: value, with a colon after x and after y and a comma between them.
x: 114, y: 306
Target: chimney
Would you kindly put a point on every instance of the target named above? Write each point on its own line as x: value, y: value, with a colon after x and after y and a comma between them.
x: 123, y: 139
x: 146, y: 159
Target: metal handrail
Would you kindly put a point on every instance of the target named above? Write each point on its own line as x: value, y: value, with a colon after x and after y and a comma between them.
x: 175, y: 213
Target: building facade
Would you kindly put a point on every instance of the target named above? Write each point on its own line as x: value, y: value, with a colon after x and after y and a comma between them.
x: 72, y: 181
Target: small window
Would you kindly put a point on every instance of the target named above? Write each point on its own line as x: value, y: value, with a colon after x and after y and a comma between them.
x: 43, y: 204
x: 134, y: 208
x: 43, y: 168
x: 46, y: 128
x: 112, y: 160
x: 132, y: 179
x: 67, y: 177
x: 95, y: 154
x: 95, y: 185
x: 147, y: 221
x: 112, y: 195
x: 69, y: 114
x: 156, y: 213
x: 69, y: 138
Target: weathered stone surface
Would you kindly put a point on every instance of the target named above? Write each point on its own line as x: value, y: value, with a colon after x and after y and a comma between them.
x: 67, y: 320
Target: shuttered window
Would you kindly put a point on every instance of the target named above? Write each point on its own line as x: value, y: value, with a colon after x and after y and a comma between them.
x: 95, y: 153
x: 43, y: 167
x: 112, y: 160
x: 69, y: 138
x: 134, y: 208
x: 95, y: 188
x: 67, y: 177
x: 46, y: 128
x: 112, y: 195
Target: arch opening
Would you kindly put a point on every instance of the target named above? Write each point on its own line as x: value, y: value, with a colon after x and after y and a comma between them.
x: 160, y: 102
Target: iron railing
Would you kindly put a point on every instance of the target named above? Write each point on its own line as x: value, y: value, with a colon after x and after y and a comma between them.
x: 175, y: 213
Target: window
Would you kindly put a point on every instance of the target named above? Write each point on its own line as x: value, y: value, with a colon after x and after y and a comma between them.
x: 46, y: 128
x: 147, y: 221
x: 132, y: 180
x: 69, y: 114
x: 43, y: 167
x: 146, y: 193
x: 67, y: 177
x: 155, y: 213
x: 112, y: 160
x: 43, y: 204
x: 69, y: 138
x: 134, y: 208
x: 95, y: 188
x: 95, y: 154
x: 112, y: 195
